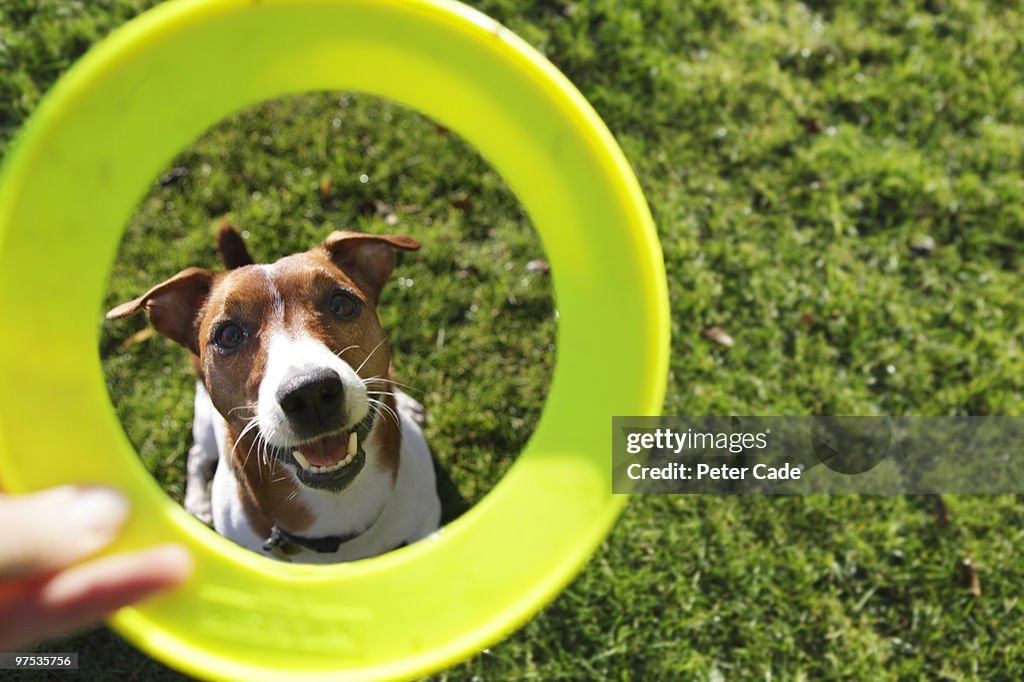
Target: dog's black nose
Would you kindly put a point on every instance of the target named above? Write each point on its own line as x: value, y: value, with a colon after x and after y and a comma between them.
x: 313, y: 400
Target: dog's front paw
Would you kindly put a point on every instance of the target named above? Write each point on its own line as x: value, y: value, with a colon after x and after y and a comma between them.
x: 197, y: 485
x: 198, y: 505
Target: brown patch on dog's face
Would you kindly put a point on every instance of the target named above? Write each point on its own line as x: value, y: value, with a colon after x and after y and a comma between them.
x: 307, y: 283
x: 242, y: 300
x: 292, y: 296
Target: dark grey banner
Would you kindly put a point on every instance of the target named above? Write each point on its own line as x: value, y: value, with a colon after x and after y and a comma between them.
x: 798, y: 455
x: 38, y: 662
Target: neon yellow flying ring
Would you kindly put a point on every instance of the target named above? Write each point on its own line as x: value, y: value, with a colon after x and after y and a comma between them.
x: 87, y: 157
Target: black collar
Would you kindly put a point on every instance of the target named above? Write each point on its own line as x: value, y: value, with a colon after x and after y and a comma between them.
x: 284, y: 545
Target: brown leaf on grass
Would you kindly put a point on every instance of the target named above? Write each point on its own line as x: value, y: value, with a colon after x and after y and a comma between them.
x: 460, y: 201
x: 719, y: 336
x: 812, y: 126
x: 538, y: 265
x: 137, y: 338
x: 808, y: 320
x: 328, y: 197
x: 971, y: 575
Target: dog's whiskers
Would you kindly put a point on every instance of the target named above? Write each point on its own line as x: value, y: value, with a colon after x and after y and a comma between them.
x: 346, y: 348
x: 367, y: 358
x: 259, y: 455
x: 381, y: 380
x: 251, y: 424
x: 380, y: 393
x: 267, y: 447
x: 385, y: 408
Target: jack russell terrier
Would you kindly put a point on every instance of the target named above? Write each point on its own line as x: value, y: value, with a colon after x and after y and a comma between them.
x: 318, y: 457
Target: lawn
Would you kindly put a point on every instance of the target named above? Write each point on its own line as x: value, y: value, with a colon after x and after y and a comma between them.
x: 837, y: 186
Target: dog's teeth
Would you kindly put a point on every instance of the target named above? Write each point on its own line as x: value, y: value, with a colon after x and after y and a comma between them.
x: 353, y: 450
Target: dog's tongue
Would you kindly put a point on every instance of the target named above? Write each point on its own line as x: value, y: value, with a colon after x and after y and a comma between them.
x: 327, y: 451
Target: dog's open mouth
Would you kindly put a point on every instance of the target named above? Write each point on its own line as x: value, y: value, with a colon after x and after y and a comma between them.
x: 328, y: 454
x: 331, y: 462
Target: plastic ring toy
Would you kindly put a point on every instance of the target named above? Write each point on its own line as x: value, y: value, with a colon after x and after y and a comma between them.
x: 88, y: 156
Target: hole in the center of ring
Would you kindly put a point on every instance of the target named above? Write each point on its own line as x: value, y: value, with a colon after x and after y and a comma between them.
x: 332, y: 327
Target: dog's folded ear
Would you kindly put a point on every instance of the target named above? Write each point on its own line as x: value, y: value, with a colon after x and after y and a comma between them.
x: 368, y: 259
x: 173, y: 306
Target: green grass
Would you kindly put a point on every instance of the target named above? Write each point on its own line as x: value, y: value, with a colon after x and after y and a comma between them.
x: 792, y: 156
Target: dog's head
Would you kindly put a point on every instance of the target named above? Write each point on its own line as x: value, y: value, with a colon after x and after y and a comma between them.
x: 292, y: 353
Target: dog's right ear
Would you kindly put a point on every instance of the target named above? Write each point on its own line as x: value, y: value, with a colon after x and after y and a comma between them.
x: 173, y: 306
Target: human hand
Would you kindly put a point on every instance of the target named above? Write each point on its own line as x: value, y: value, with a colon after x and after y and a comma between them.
x: 44, y: 590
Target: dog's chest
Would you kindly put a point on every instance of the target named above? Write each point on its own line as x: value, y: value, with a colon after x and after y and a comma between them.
x: 378, y: 513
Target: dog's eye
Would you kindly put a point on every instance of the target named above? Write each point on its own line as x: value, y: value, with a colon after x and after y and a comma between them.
x: 343, y: 305
x: 228, y: 337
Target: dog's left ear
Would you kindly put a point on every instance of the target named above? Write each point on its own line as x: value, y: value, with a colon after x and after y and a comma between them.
x: 368, y: 259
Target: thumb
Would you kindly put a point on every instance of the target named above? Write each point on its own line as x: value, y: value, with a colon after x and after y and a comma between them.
x: 42, y: 532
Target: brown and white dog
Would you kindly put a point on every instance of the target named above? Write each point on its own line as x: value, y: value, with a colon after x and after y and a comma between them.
x: 316, y: 456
